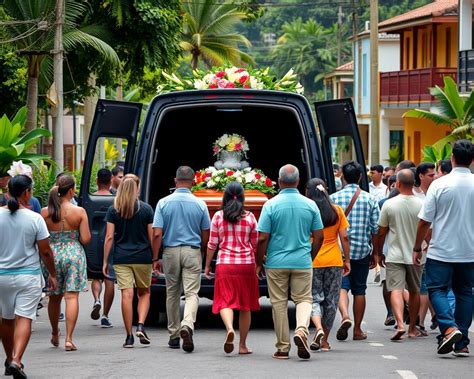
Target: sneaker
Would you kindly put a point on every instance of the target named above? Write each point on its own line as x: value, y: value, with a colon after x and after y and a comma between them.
x: 61, y: 317
x: 464, y: 352
x: 129, y: 342
x: 389, y: 321
x: 186, y: 334
x: 144, y: 340
x: 301, y: 341
x: 7, y: 368
x: 173, y: 343
x: 281, y: 355
x: 446, y: 343
x: 15, y: 370
x: 95, y: 314
x: 105, y: 322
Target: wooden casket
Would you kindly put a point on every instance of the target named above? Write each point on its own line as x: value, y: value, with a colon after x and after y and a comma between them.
x: 254, y: 200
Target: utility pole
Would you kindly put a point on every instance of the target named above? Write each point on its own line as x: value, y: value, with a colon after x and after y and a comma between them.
x: 374, y: 82
x: 340, y: 15
x: 58, y: 131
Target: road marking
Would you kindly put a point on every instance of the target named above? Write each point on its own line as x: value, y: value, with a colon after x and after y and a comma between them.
x: 376, y: 344
x: 406, y: 374
x: 389, y: 357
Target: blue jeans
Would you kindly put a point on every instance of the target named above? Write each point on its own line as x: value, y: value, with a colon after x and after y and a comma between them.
x: 439, y: 275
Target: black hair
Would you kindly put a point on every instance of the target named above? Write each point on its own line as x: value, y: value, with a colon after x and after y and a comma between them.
x: 351, y: 171
x: 16, y: 187
x: 377, y: 167
x: 104, y: 176
x: 393, y: 193
x: 392, y: 179
x: 329, y: 214
x: 405, y: 164
x: 233, y: 202
x: 463, y: 151
x: 445, y: 166
x: 116, y: 170
x: 65, y: 183
x: 388, y: 168
x: 336, y: 166
x: 422, y: 169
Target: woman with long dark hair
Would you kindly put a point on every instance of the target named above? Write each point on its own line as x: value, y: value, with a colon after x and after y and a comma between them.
x: 69, y: 228
x: 328, y: 266
x: 234, y: 230
x: 129, y: 230
x: 23, y: 234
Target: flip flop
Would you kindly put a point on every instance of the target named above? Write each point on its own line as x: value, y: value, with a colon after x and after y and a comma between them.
x: 342, y: 333
x: 398, y: 335
x: 326, y: 348
x: 69, y: 346
x: 229, y: 342
x: 360, y: 337
x: 249, y: 351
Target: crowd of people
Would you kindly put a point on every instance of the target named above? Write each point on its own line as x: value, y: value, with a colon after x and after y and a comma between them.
x: 313, y: 248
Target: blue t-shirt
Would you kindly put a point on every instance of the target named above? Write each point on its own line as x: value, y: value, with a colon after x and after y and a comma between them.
x: 289, y: 218
x: 182, y: 216
x: 34, y: 203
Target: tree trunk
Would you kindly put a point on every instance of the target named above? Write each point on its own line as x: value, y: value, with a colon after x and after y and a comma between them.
x: 194, y: 61
x: 31, y: 103
x: 89, y: 107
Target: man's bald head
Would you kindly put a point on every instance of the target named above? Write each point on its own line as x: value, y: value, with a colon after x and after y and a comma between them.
x: 406, y: 178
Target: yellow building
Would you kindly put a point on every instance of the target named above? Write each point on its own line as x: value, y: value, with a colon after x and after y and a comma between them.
x: 428, y: 52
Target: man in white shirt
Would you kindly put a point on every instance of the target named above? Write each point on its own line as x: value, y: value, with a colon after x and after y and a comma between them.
x: 400, y: 216
x: 449, y: 209
x: 425, y: 174
x: 376, y: 187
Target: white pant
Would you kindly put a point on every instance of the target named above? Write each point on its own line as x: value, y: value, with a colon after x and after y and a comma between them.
x: 20, y: 295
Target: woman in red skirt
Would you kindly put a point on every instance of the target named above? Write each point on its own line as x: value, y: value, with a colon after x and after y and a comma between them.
x: 234, y: 230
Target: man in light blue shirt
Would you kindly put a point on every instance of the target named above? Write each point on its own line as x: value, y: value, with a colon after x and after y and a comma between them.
x: 286, y: 223
x: 182, y: 225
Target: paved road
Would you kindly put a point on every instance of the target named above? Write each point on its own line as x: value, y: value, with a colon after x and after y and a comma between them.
x: 100, y: 353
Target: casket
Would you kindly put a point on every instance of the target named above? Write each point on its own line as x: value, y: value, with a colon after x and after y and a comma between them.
x: 254, y: 200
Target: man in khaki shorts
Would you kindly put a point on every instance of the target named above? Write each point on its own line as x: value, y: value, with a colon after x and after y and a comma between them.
x: 400, y: 216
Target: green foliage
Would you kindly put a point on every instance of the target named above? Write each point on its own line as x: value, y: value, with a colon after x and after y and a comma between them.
x: 434, y: 154
x: 44, y: 178
x: 209, y: 33
x: 13, y: 79
x: 394, y: 155
x: 14, y: 146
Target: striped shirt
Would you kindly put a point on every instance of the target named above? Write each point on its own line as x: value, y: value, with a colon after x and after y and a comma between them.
x: 363, y: 219
x: 237, y: 242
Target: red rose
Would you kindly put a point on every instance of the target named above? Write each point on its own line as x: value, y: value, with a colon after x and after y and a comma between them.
x: 230, y: 85
x: 230, y: 173
x: 198, y: 174
x: 240, y: 70
x: 243, y: 79
x: 220, y: 74
x: 238, y: 147
x: 258, y: 176
x: 207, y: 175
x: 212, y: 85
x: 268, y: 182
x: 246, y: 86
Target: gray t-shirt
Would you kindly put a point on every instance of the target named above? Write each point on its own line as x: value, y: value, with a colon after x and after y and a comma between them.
x: 18, y: 235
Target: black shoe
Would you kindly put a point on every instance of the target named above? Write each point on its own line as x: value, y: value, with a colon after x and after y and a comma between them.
x: 129, y: 342
x: 144, y: 340
x: 446, y: 343
x: 7, y: 368
x: 16, y: 371
x: 173, y: 343
x: 434, y: 323
x: 187, y: 335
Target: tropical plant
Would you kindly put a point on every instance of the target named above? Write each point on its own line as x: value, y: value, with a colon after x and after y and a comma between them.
x: 435, y: 153
x: 394, y: 155
x: 44, y: 178
x: 305, y: 46
x: 14, y: 146
x: 209, y: 33
x: 452, y: 109
x: 30, y: 28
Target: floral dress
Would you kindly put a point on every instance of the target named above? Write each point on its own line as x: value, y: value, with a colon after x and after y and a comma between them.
x: 70, y: 261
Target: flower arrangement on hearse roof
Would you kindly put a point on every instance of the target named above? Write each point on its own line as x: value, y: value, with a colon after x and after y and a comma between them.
x: 231, y: 77
x: 230, y: 149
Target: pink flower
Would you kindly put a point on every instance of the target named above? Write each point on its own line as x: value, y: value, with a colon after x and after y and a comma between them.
x: 230, y: 85
x: 239, y: 70
x: 216, y: 149
x: 222, y: 83
x: 243, y: 79
x: 238, y: 147
x: 220, y: 74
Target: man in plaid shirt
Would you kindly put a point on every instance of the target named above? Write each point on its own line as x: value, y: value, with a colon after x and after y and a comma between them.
x: 363, y: 219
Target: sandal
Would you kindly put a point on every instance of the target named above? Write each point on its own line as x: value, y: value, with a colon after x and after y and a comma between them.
x: 55, y: 338
x: 360, y: 337
x: 69, y: 346
x: 316, y: 344
x: 229, y: 342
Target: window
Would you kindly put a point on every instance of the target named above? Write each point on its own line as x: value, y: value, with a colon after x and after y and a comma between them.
x: 364, y: 74
x: 348, y: 89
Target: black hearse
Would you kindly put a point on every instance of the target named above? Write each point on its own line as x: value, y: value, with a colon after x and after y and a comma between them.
x: 180, y: 128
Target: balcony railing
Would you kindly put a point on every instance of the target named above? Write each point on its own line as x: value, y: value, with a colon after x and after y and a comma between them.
x: 466, y: 70
x: 412, y: 87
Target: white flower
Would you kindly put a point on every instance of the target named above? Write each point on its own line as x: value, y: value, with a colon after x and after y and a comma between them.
x: 207, y: 178
x: 239, y: 179
x: 200, y: 84
x: 211, y: 169
x: 210, y: 184
x: 19, y: 168
x: 299, y: 88
x: 255, y: 83
x: 223, y: 141
x: 217, y: 179
x: 249, y: 178
x: 237, y: 174
x: 208, y: 78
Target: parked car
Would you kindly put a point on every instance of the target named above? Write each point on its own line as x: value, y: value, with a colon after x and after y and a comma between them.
x: 180, y: 128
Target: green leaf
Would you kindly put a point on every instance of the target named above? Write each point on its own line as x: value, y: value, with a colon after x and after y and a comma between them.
x: 438, y: 119
x: 452, y: 95
x: 20, y: 117
x: 34, y: 134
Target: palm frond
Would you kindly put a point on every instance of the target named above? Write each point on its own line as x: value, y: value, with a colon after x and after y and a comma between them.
x: 468, y: 109
x: 444, y: 105
x: 438, y: 119
x: 452, y: 95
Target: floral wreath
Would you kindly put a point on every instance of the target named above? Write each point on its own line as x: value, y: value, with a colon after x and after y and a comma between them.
x: 232, y: 142
x: 231, y: 77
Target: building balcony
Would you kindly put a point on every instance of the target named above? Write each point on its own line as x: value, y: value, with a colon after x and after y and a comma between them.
x: 411, y: 87
x: 466, y: 71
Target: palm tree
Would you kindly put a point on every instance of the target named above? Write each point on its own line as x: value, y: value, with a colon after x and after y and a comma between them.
x: 209, y: 33
x: 306, y: 47
x: 30, y: 29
